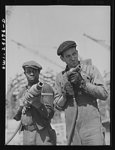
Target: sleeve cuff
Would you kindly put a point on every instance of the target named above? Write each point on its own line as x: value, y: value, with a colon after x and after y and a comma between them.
x: 60, y: 103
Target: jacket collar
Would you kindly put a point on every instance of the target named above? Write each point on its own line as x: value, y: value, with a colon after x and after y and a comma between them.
x: 67, y: 68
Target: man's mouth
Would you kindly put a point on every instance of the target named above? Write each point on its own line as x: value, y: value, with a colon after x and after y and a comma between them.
x: 31, y: 77
x: 74, y: 63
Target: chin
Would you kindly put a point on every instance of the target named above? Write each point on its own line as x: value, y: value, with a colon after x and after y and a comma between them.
x: 73, y: 66
x: 31, y: 80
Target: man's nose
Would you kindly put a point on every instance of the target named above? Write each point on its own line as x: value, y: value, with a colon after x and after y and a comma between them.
x: 72, y: 58
x: 31, y: 73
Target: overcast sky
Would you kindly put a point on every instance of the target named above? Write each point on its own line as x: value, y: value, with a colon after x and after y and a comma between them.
x: 43, y: 28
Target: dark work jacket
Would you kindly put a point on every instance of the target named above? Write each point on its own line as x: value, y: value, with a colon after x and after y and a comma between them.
x: 41, y: 110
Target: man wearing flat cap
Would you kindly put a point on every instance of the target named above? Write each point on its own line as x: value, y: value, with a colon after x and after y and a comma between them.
x: 77, y: 89
x: 36, y: 108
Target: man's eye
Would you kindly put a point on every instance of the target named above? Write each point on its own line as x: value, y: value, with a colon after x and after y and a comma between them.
x: 74, y: 54
x: 67, y: 56
x: 30, y: 71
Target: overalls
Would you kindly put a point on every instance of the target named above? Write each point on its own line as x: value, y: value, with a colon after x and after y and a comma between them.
x: 88, y: 129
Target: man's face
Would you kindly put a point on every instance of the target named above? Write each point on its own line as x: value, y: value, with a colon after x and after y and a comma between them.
x: 32, y: 74
x: 70, y: 57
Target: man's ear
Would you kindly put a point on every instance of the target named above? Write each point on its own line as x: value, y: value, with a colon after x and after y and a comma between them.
x: 62, y: 58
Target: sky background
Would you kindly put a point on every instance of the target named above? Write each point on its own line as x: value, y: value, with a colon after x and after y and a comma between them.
x: 41, y: 29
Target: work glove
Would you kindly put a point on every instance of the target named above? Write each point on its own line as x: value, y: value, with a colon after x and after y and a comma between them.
x: 26, y: 99
x: 75, y: 78
x: 26, y: 118
x: 17, y: 117
x: 69, y: 89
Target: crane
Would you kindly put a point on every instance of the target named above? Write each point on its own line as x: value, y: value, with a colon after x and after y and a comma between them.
x: 100, y: 42
x: 37, y: 53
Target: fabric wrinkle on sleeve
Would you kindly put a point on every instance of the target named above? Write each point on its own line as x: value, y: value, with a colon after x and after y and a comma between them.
x: 97, y: 86
x: 59, y: 98
x: 47, y: 98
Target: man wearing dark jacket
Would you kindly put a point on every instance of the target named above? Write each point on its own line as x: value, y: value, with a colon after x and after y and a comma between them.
x: 36, y: 108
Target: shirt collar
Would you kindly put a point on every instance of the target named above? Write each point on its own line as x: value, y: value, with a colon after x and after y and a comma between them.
x: 67, y: 68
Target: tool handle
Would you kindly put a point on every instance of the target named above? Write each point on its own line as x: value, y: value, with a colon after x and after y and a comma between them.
x: 73, y: 124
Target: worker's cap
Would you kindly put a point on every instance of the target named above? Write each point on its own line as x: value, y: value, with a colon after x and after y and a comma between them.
x: 65, y: 46
x: 32, y: 64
